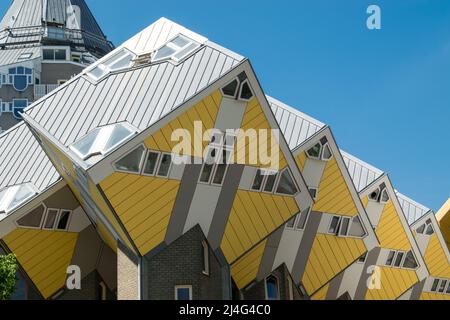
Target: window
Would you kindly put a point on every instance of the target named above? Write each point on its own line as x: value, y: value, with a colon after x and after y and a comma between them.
x: 64, y: 218
x: 399, y: 259
x: 346, y: 227
x: 25, y: 56
x: 51, y: 219
x: 205, y: 258
x: 121, y: 60
x: 390, y: 258
x: 183, y: 293
x: 286, y: 184
x: 272, y: 288
x: 230, y: 89
x: 13, y: 197
x: 54, y: 54
x: 218, y: 157
x: 176, y: 49
x: 380, y: 194
x: 19, y: 77
x: 410, y: 261
x: 33, y: 219
x: 239, y: 88
x: 131, y: 162
x: 363, y: 258
x: 357, y: 229
x: 145, y: 162
x: 320, y: 151
x: 19, y: 106
x: 313, y: 192
x: 245, y: 92
x: 299, y: 221
x: 102, y: 140
x: 441, y: 286
x: 150, y: 163
x: 164, y: 165
x: 426, y: 228
x: 435, y: 285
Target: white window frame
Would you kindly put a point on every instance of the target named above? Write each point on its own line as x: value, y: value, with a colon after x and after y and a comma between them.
x: 146, y: 153
x: 277, y: 184
x: 176, y: 48
x: 54, y: 48
x: 68, y: 221
x: 189, y: 287
x: 350, y: 224
x: 161, y: 156
x: 141, y: 163
x: 220, y: 147
x: 241, y: 86
x: 44, y: 215
x: 297, y: 220
x: 45, y: 219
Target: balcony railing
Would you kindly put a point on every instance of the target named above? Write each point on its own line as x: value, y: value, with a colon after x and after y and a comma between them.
x: 41, y: 90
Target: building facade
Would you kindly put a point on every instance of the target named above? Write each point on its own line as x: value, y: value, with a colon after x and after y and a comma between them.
x: 42, y: 45
x: 112, y: 201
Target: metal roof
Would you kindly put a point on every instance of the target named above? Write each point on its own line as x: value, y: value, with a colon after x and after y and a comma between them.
x: 413, y: 210
x: 26, y: 21
x: 362, y: 173
x: 140, y: 96
x: 296, y: 126
x: 11, y: 56
x: 23, y: 160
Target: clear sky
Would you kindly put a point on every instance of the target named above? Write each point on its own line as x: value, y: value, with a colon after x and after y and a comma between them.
x: 385, y: 94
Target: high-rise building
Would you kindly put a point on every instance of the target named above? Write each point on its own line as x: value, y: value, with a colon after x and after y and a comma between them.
x: 43, y: 43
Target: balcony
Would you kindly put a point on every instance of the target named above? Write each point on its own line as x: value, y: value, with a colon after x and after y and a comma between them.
x: 41, y: 90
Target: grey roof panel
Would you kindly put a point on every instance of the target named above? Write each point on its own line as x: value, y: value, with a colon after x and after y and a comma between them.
x: 296, y: 126
x: 362, y: 173
x: 11, y: 56
x: 22, y: 160
x: 80, y: 106
x: 413, y: 210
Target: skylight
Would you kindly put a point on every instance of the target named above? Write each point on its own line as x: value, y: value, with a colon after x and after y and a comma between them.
x: 176, y: 49
x: 123, y: 59
x: 15, y: 196
x: 102, y: 140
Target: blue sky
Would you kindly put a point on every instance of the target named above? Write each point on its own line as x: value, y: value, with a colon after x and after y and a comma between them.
x: 385, y: 94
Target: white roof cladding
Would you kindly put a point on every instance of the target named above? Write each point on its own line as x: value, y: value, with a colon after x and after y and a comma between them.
x: 362, y: 173
x: 413, y: 210
x: 139, y: 95
x: 22, y: 160
x: 26, y: 21
x: 13, y: 56
x: 296, y: 126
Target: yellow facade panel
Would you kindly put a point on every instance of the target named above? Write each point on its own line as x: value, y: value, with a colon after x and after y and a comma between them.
x: 390, y: 230
x: 394, y: 283
x: 329, y: 256
x: 144, y: 206
x: 436, y: 259
x: 44, y: 255
x: 434, y: 296
x: 321, y: 295
x: 334, y: 195
x: 246, y: 269
x: 253, y: 217
x: 205, y: 113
